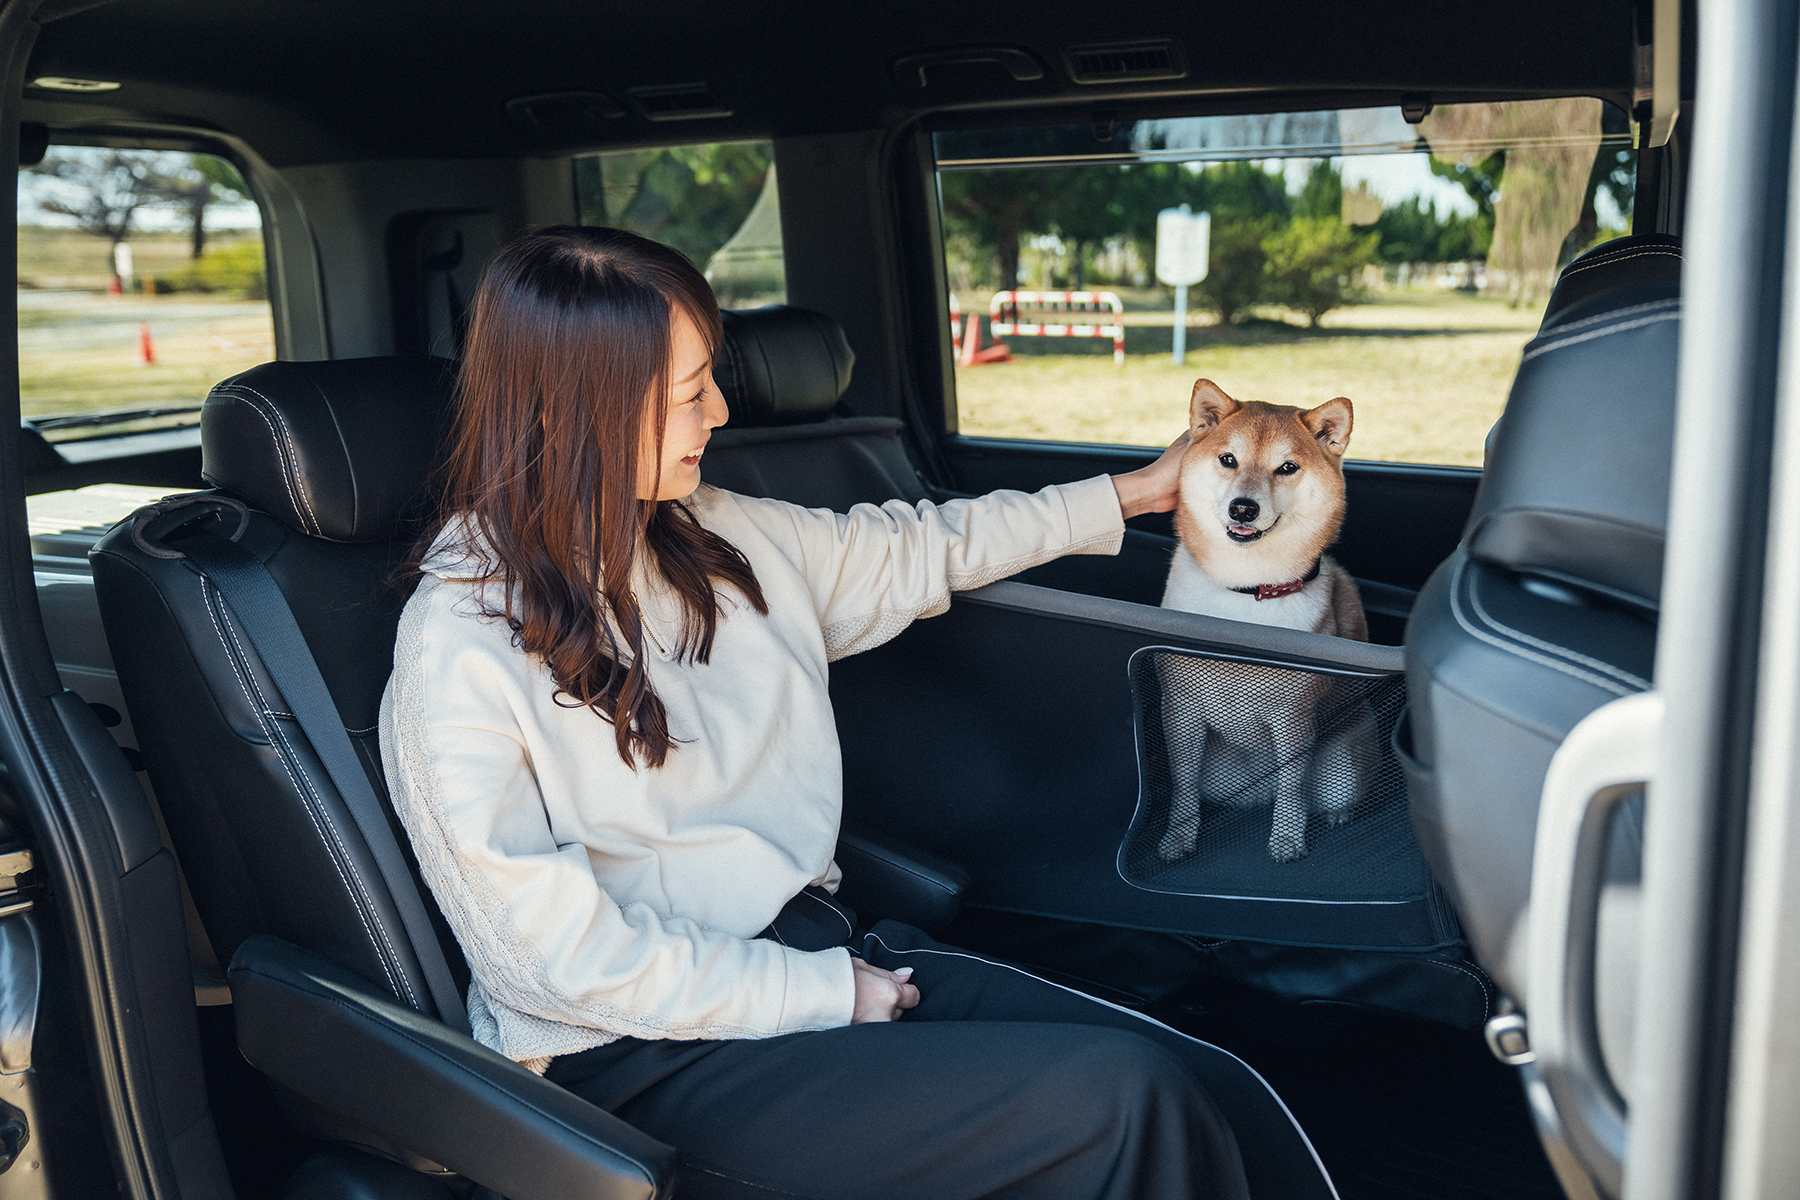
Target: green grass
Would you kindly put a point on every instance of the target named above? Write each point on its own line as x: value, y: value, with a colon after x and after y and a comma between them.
x: 69, y: 258
x: 1427, y: 372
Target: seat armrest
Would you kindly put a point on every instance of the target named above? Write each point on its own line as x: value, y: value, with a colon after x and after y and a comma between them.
x: 884, y: 877
x: 338, y: 1042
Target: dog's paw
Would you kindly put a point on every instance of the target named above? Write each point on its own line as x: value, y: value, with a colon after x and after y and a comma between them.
x: 1177, y: 845
x: 1287, y: 847
x: 1337, y: 816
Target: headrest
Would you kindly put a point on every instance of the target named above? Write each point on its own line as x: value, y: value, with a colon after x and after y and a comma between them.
x: 1577, y: 483
x: 782, y: 365
x: 1620, y: 263
x: 339, y: 450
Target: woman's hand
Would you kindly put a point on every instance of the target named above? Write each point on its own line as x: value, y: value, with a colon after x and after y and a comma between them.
x: 881, y: 995
x: 1152, y: 488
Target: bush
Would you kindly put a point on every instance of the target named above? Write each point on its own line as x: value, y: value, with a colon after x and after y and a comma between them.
x: 1237, y: 272
x: 236, y: 269
x: 1313, y: 264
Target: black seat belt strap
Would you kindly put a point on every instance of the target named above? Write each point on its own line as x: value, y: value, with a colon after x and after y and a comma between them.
x: 263, y: 611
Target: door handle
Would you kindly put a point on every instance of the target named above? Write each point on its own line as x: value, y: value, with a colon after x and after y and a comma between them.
x: 1606, y: 758
x: 1018, y: 63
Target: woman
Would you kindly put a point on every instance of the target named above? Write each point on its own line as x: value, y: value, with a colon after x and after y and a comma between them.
x: 609, y: 737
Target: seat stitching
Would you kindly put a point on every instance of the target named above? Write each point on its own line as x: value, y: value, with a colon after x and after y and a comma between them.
x: 290, y: 461
x: 1598, y: 333
x: 280, y: 452
x: 207, y: 594
x: 1595, y: 664
x: 1519, y: 651
x: 899, y: 865
x: 833, y: 910
x: 1487, y: 995
x: 761, y: 1187
x: 1257, y: 1075
x: 1586, y: 322
x: 323, y: 826
x: 1648, y: 251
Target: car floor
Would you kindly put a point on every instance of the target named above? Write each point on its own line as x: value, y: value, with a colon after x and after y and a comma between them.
x: 1398, y: 1109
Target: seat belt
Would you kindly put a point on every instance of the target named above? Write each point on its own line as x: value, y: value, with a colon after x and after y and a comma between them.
x: 263, y: 611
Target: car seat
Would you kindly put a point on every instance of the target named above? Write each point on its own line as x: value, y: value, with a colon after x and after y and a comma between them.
x: 1548, y: 608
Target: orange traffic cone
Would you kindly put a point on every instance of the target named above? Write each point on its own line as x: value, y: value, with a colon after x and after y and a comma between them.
x: 146, y: 348
x: 971, y: 339
x: 115, y: 286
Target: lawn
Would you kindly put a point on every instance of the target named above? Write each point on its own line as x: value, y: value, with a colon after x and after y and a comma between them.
x: 80, y: 352
x: 1428, y: 373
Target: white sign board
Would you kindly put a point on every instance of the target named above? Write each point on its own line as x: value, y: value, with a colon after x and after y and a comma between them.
x: 1183, y: 239
x: 122, y: 260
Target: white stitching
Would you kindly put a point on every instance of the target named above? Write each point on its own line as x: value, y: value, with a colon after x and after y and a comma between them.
x: 1519, y: 651
x: 314, y: 807
x: 833, y: 909
x: 1614, y: 315
x: 1487, y: 995
x: 290, y: 458
x: 280, y: 454
x: 1273, y: 1094
x: 1605, y: 668
x: 1598, y: 333
x: 1649, y: 251
x: 207, y: 595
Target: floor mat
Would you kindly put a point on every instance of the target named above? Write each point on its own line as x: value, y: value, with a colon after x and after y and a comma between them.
x: 1399, y: 1110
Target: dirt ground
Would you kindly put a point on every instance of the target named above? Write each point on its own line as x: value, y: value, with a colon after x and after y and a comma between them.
x: 79, y: 351
x: 1428, y: 373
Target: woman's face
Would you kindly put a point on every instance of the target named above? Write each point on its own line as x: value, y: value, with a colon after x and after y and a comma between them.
x: 695, y: 409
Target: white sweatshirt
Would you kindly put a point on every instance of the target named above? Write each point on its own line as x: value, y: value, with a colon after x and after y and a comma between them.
x: 594, y: 901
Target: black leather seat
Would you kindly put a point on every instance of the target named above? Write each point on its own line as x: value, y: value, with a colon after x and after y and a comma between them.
x: 1548, y: 609
x: 782, y: 370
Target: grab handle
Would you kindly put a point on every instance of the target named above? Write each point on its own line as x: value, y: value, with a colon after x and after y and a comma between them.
x: 1018, y: 63
x: 1606, y: 758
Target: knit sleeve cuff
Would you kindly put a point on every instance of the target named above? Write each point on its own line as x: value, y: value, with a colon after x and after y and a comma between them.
x: 821, y: 990
x: 1096, y: 523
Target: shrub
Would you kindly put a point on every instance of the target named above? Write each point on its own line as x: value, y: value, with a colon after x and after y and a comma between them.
x: 235, y: 269
x: 1313, y: 264
x: 1237, y: 273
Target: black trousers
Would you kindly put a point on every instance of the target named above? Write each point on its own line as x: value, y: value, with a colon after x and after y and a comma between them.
x: 998, y: 1084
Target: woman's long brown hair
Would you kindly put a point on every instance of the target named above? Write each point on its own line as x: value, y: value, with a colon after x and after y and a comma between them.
x: 565, y: 364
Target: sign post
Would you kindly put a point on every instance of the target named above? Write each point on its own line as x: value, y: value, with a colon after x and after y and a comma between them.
x: 1183, y: 240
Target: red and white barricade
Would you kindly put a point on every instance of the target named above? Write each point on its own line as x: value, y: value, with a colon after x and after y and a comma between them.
x: 1057, y: 314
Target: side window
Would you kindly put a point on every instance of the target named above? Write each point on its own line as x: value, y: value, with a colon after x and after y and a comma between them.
x: 718, y: 204
x: 1344, y: 253
x: 141, y: 284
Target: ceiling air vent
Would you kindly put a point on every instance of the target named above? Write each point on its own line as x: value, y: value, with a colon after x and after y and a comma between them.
x: 1125, y: 62
x: 678, y: 102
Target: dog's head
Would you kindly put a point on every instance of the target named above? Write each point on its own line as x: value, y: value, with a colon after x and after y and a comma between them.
x: 1262, y: 486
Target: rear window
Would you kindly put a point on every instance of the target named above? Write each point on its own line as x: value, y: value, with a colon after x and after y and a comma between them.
x: 141, y: 284
x: 1347, y: 253
x: 716, y: 203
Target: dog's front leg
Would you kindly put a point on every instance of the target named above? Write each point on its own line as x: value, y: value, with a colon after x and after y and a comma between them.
x: 1292, y: 736
x: 1184, y: 745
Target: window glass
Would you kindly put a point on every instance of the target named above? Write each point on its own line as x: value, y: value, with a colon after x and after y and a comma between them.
x: 141, y: 284
x: 1349, y: 253
x: 717, y: 204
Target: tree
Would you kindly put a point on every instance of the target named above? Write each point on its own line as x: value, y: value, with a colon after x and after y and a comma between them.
x: 1237, y: 276
x: 998, y: 207
x: 690, y: 197
x: 1322, y: 195
x: 104, y: 190
x: 1313, y: 263
x: 208, y: 179
x: 1083, y: 208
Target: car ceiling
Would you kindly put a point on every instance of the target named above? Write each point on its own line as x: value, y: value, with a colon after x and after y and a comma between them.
x: 339, y: 80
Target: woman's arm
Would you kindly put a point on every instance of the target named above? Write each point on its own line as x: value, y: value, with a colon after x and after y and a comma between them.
x: 874, y: 569
x: 541, y: 936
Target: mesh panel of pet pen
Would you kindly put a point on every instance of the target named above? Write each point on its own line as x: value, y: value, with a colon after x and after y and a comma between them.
x: 1268, y: 781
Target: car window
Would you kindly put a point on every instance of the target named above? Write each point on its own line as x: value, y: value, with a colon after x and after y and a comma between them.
x: 141, y: 284
x: 717, y: 203
x: 1402, y: 263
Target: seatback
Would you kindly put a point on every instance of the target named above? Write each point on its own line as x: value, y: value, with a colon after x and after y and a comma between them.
x: 782, y: 370
x: 333, y: 462
x: 1548, y: 608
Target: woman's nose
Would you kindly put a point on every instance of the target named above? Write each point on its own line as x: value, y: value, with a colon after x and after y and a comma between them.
x: 717, y: 412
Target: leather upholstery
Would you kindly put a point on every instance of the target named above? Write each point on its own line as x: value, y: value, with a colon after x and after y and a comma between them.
x: 337, y: 1042
x: 882, y: 876
x: 339, y: 450
x: 1548, y: 609
x: 1577, y: 485
x: 832, y: 464
x: 781, y: 365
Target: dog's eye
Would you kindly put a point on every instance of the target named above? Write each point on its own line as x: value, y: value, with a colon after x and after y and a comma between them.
x: 1228, y: 461
x: 1287, y: 468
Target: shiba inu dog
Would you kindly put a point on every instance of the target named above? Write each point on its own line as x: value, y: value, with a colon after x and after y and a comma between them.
x: 1262, y: 497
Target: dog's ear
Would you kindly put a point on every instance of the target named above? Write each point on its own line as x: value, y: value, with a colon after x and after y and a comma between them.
x: 1330, y: 423
x: 1209, y: 406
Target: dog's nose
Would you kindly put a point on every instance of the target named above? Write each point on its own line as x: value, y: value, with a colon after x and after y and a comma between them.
x: 1244, y: 510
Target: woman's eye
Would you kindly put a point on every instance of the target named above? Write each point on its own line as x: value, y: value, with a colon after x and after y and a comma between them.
x: 1287, y: 468
x: 1228, y: 461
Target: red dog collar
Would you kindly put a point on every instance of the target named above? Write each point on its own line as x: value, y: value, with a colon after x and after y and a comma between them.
x: 1275, y: 591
